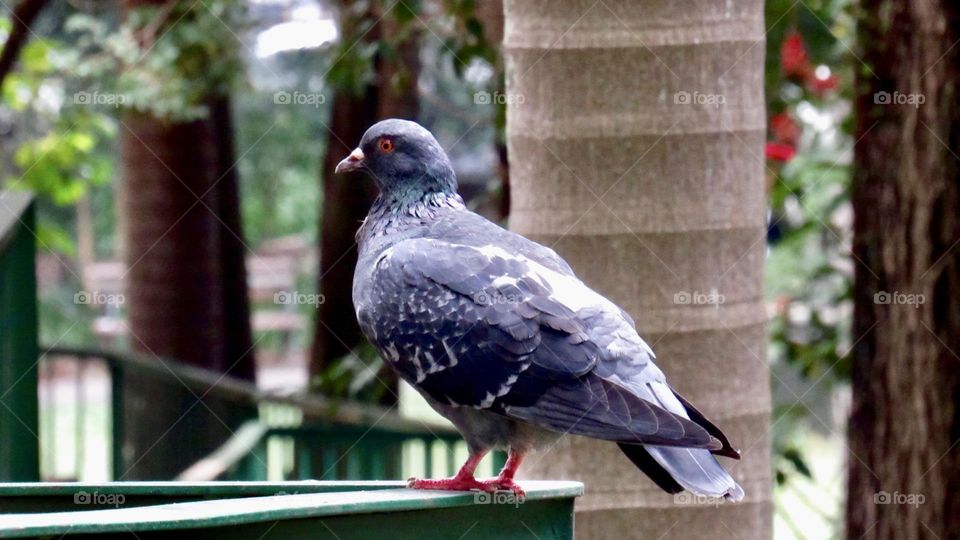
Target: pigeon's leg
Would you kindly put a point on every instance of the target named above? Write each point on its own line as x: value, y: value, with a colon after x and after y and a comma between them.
x: 463, y: 481
x: 504, y: 481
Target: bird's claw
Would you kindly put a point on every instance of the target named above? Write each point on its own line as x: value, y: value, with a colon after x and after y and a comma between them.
x: 457, y: 483
x: 503, y: 484
x: 460, y: 483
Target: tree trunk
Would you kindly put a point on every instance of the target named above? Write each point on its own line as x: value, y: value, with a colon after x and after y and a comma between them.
x: 182, y: 291
x: 490, y: 14
x: 904, y: 464
x: 624, y: 158
x: 348, y: 197
x: 186, y: 282
x: 238, y: 356
x: 346, y: 200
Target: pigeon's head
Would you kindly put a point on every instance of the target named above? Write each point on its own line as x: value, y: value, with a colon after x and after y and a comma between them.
x: 403, y: 157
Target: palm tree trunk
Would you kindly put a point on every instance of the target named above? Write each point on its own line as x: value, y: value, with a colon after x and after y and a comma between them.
x: 904, y: 464
x: 637, y: 153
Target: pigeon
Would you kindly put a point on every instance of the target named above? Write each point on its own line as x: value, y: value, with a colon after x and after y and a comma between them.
x: 501, y: 337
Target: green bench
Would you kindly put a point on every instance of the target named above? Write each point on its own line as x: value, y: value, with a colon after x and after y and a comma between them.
x: 283, y: 510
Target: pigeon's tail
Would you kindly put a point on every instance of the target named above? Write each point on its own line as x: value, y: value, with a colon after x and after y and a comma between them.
x: 675, y: 469
x: 694, y: 469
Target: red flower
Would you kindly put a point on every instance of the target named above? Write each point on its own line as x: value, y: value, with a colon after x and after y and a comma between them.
x: 821, y: 86
x: 784, y: 129
x: 780, y: 152
x: 793, y: 56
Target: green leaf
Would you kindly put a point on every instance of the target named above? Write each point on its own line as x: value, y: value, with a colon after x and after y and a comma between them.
x: 54, y: 239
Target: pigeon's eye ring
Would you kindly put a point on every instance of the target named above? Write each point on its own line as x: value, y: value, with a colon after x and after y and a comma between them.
x: 386, y: 146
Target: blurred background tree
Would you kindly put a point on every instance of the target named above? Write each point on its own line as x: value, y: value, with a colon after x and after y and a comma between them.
x: 906, y: 385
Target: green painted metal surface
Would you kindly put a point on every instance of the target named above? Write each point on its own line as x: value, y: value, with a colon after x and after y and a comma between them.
x: 261, y: 510
x: 19, y: 445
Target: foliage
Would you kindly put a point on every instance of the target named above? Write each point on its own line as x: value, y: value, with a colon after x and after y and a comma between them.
x: 354, y: 64
x: 467, y: 40
x: 279, y: 164
x: 164, y: 60
x: 58, y: 150
x: 63, y: 163
x: 808, y: 79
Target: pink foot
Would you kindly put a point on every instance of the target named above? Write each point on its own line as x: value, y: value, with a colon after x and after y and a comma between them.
x: 503, y: 484
x: 457, y: 483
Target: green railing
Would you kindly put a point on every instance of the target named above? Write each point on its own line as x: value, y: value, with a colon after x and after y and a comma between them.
x: 294, y: 436
x: 334, y: 452
x: 264, y: 510
x: 18, y: 340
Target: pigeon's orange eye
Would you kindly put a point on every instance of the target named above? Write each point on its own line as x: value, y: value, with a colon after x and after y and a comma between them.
x: 386, y: 146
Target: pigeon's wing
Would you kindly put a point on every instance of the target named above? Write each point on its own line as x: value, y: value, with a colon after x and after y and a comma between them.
x: 485, y: 328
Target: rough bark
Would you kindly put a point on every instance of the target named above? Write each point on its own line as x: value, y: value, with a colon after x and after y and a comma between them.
x: 186, y: 280
x: 649, y: 199
x: 348, y: 197
x: 178, y: 293
x: 904, y: 462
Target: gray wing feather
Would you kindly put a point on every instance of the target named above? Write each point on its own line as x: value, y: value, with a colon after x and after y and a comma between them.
x: 525, y: 347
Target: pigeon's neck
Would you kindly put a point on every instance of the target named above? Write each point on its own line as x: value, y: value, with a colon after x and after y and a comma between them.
x: 398, y: 212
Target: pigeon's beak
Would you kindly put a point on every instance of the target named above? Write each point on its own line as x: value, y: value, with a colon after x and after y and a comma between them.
x: 353, y: 162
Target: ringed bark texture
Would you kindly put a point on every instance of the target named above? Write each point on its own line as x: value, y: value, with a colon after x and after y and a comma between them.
x: 637, y: 152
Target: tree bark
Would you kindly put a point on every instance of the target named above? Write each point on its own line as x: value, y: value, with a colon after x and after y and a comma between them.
x: 186, y: 282
x: 904, y: 464
x: 651, y: 198
x: 181, y: 296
